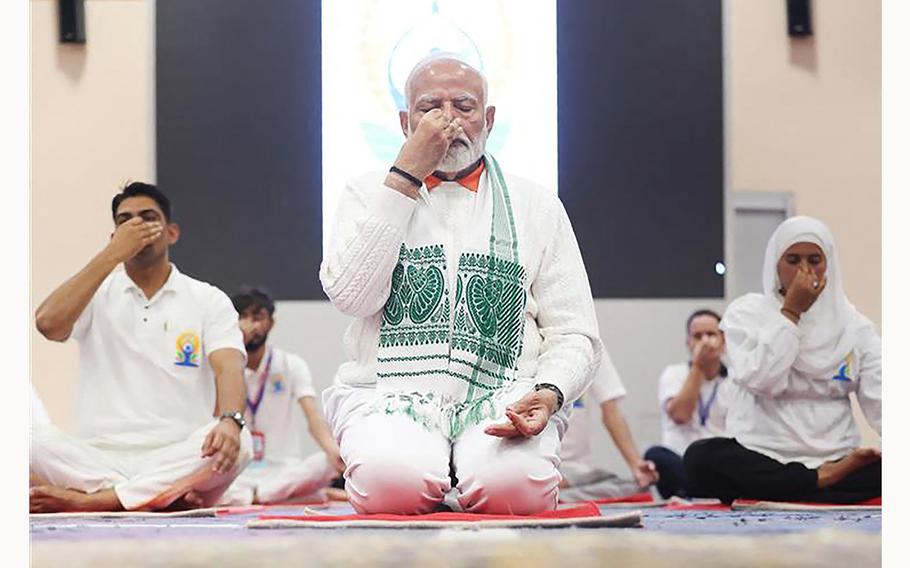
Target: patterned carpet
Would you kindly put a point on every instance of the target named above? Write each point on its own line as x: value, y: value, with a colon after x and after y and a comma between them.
x: 668, y: 538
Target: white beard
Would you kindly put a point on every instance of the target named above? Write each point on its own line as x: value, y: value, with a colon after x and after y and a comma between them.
x: 460, y: 156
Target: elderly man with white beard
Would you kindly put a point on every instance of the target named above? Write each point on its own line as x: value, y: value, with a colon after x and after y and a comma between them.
x: 474, y: 325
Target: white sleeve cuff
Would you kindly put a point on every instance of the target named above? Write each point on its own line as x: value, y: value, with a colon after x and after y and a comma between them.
x: 392, y: 205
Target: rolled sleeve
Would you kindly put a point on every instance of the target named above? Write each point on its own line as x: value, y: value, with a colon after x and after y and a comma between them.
x: 221, y: 328
x: 300, y: 378
x: 606, y: 385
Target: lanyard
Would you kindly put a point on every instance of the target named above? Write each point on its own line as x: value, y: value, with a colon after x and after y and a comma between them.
x: 705, y: 409
x: 263, y: 377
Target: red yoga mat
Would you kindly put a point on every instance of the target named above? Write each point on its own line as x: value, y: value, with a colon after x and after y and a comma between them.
x: 587, y: 514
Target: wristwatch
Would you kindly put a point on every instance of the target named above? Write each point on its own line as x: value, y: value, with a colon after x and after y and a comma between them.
x: 236, y: 416
x: 551, y: 387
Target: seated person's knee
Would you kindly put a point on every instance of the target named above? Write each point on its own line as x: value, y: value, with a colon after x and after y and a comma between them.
x: 393, y: 482
x: 513, y: 486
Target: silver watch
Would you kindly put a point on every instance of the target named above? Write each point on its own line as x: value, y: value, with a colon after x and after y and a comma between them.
x: 236, y: 416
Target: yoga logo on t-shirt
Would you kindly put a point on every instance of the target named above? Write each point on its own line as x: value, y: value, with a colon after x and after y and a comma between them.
x: 277, y: 385
x: 845, y: 372
x: 187, y: 349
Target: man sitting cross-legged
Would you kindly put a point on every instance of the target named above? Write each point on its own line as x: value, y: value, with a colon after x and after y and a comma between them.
x: 279, y: 387
x: 160, y: 391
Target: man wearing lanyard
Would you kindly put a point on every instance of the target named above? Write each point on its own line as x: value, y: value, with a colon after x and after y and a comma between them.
x: 692, y: 401
x: 277, y: 382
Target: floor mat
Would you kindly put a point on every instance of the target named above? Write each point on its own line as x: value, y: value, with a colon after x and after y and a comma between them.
x: 637, y: 501
x: 754, y: 505
x: 189, y: 514
x: 700, y: 504
x: 587, y: 515
x: 207, y: 512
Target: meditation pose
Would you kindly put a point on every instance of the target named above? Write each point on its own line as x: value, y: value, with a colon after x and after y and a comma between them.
x: 796, y: 352
x: 160, y: 398
x: 474, y: 323
x: 279, y: 386
x: 582, y: 480
x: 692, y: 398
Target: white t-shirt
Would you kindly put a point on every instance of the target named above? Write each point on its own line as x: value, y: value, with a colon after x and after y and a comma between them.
x: 713, y: 403
x: 144, y: 375
x: 606, y: 385
x: 278, y: 414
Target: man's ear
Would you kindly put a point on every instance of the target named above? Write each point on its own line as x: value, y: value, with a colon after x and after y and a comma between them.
x: 491, y: 117
x: 403, y: 119
x: 173, y: 233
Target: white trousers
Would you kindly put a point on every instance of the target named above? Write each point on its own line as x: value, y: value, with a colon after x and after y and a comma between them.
x: 275, y: 481
x: 142, y: 478
x: 394, y: 465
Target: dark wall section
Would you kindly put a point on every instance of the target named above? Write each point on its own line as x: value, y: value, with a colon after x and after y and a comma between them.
x: 239, y: 144
x: 641, y: 144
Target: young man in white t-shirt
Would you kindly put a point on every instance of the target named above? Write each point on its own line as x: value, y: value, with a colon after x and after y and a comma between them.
x: 692, y: 401
x: 160, y: 396
x: 279, y: 386
x: 582, y: 480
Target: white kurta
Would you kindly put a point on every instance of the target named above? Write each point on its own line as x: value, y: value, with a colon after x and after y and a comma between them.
x: 560, y: 343
x: 145, y: 394
x: 677, y: 437
x: 561, y: 340
x: 284, y: 472
x: 788, y: 414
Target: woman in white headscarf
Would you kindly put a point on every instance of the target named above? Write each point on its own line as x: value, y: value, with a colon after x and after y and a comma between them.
x: 796, y: 352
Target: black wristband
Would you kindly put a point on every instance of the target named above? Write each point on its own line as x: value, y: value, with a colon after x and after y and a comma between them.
x: 560, y: 399
x: 406, y: 176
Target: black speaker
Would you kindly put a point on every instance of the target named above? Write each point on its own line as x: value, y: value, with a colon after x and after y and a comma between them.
x: 72, y: 21
x: 799, y: 20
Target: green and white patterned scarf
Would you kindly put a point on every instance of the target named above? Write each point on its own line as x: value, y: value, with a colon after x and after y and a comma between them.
x: 443, y: 366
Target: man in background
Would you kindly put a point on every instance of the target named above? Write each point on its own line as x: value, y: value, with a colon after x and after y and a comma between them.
x: 279, y: 386
x: 582, y: 481
x: 692, y: 401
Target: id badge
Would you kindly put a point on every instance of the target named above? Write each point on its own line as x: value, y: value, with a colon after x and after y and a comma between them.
x: 258, y: 445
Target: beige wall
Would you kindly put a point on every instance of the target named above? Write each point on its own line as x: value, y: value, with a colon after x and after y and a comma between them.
x: 805, y: 117
x: 91, y: 124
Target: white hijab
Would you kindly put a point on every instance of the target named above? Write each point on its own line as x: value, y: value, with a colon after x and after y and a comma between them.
x: 829, y: 328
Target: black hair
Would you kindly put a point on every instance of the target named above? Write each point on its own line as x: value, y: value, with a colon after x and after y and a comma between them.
x: 698, y: 313
x: 137, y: 188
x: 248, y: 297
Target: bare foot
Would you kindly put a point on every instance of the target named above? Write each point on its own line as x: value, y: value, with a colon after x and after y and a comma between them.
x: 833, y: 472
x: 191, y: 500
x: 50, y: 499
x: 335, y: 494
